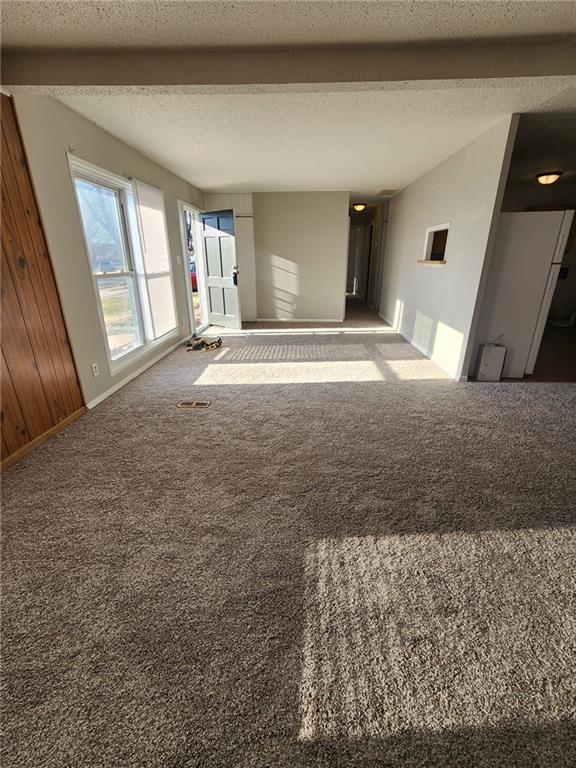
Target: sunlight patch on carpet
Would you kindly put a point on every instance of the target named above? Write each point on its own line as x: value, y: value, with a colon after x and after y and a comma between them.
x: 298, y: 352
x: 289, y: 373
x: 431, y: 632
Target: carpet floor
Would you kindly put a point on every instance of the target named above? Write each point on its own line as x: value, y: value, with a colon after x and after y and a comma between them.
x: 346, y: 560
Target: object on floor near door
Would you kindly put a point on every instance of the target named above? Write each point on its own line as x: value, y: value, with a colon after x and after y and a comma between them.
x: 491, y: 362
x: 198, y: 343
x: 193, y: 404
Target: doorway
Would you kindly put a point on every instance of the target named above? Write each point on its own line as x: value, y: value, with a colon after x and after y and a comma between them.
x: 210, y: 268
x: 359, y: 250
x: 219, y: 270
x: 366, y: 242
x: 192, y: 246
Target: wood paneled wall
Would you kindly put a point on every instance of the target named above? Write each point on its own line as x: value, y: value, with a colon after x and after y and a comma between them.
x: 40, y: 388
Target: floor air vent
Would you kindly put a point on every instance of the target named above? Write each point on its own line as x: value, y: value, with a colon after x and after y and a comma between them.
x: 193, y: 403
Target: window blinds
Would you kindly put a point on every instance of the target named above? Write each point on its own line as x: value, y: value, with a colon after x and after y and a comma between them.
x: 152, y: 226
x: 153, y: 260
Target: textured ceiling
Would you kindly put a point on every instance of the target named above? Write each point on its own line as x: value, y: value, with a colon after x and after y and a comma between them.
x: 365, y: 141
x: 195, y: 23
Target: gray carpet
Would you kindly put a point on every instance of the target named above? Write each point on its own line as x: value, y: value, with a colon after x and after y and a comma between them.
x: 347, y: 560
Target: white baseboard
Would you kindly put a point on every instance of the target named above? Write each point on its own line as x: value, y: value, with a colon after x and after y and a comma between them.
x: 134, y: 374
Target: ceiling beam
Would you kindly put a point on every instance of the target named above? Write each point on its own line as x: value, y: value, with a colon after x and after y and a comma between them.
x: 291, y: 65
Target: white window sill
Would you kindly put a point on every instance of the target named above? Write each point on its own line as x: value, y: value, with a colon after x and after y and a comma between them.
x: 117, y: 366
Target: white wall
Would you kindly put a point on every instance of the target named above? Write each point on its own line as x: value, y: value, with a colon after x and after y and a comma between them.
x: 301, y: 254
x: 242, y: 205
x: 433, y: 306
x: 49, y: 131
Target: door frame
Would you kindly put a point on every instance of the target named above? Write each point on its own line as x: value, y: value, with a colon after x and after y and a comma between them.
x: 359, y: 234
x: 182, y: 207
x: 369, y: 248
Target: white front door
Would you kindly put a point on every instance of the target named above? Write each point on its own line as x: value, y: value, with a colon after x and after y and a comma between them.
x: 220, y: 268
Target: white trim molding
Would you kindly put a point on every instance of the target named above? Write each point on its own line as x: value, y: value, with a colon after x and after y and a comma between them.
x: 429, y: 239
x: 95, y: 173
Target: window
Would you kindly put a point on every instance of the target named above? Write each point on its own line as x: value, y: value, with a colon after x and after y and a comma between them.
x: 124, y: 227
x: 146, y: 209
x: 111, y: 265
x: 435, y: 244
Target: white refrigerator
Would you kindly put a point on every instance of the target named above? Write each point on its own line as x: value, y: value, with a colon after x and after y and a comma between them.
x: 522, y: 277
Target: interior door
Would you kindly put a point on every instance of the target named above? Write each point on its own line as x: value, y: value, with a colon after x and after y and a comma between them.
x: 220, y: 268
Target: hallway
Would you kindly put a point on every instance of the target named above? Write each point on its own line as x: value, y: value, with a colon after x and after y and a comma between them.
x: 358, y: 311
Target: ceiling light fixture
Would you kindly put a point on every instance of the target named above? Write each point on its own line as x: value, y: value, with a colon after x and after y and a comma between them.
x: 549, y: 178
x: 359, y: 207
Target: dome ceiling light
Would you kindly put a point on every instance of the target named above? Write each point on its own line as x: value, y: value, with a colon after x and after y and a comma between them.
x: 549, y: 177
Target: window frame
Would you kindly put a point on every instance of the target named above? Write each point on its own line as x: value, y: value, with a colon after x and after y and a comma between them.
x: 428, y: 242
x: 121, y: 186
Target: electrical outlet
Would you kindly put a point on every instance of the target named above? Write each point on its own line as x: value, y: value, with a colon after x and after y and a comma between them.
x: 95, y: 370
